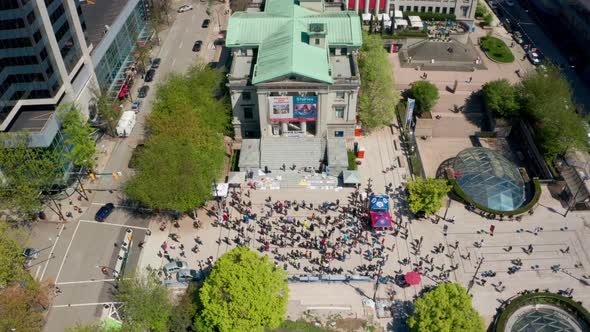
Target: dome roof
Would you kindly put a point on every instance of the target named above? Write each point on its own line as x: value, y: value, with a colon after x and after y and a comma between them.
x: 489, y: 179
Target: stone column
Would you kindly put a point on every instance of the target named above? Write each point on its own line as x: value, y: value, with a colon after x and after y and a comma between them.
x: 346, y: 4
x: 367, y: 2
x: 303, y: 125
x: 388, y: 8
x: 237, y: 128
x: 377, y: 5
x: 284, y: 128
x: 356, y: 6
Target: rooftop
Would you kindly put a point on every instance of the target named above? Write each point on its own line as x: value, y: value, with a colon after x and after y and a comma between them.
x: 282, y: 33
x: 98, y: 14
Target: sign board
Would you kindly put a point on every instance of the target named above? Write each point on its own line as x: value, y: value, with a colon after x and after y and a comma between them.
x: 305, y: 108
x: 294, y: 133
x: 281, y: 108
x: 410, y: 110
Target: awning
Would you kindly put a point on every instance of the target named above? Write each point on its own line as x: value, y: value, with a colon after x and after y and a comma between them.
x: 415, y: 22
x: 384, y: 17
x: 400, y: 22
x: 381, y: 219
x: 398, y: 14
x: 367, y: 17
x: 236, y: 177
x: 379, y: 202
x: 413, y: 278
x: 351, y: 177
x: 220, y: 189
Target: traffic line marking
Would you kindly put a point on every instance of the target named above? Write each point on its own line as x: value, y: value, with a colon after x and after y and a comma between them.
x: 84, y: 281
x: 111, y: 224
x: 83, y: 304
x: 51, y: 252
x: 67, y: 251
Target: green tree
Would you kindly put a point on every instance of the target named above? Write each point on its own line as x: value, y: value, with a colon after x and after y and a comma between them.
x: 481, y: 10
x: 500, y: 97
x: 146, y: 302
x: 19, y: 310
x: 77, y: 136
x: 11, y: 258
x: 427, y: 195
x: 184, y: 153
x: 108, y: 112
x: 245, y: 292
x: 142, y: 55
x: 25, y: 173
x: 184, y: 312
x: 378, y: 95
x: 546, y: 100
x: 447, y: 308
x: 488, y: 19
x: 425, y: 94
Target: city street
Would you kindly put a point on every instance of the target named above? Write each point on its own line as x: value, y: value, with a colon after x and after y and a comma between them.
x: 547, y: 47
x: 72, y: 253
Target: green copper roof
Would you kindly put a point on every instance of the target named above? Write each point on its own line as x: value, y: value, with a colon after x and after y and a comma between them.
x: 281, y: 35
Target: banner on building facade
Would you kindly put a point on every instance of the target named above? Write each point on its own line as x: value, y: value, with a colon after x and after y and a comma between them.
x: 305, y: 108
x: 281, y: 108
x: 410, y: 110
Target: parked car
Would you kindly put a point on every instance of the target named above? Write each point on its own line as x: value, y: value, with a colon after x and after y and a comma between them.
x: 492, y: 4
x: 149, y: 76
x: 510, y: 3
x: 136, y: 106
x: 205, y: 24
x: 197, y: 46
x: 143, y: 91
x: 104, y: 211
x: 156, y: 62
x: 31, y: 253
x: 174, y: 266
x: 184, y: 8
x: 189, y: 275
x: 517, y: 37
x: 533, y: 58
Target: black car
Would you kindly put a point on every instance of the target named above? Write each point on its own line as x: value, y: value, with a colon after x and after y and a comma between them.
x: 197, y: 46
x: 156, y: 62
x: 104, y: 211
x: 143, y: 91
x: 149, y: 76
x: 205, y: 24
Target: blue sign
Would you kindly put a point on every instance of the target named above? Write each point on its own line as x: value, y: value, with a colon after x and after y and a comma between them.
x: 305, y: 108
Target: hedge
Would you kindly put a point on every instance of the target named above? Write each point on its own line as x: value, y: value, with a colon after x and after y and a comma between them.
x: 431, y: 16
x: 537, y: 194
x: 406, y: 34
x: 562, y: 302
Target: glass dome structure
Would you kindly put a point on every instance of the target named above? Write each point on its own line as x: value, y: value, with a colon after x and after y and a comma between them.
x: 489, y: 179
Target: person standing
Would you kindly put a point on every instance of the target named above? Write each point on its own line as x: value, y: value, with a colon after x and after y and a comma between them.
x: 492, y: 229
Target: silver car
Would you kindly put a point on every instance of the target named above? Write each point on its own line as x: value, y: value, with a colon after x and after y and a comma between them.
x: 184, y: 8
x: 189, y: 275
x: 174, y: 266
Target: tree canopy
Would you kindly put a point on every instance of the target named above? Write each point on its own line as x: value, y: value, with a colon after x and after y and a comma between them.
x: 184, y: 153
x: 427, y: 195
x: 546, y: 99
x: 244, y: 292
x: 25, y: 173
x: 425, y: 94
x: 500, y: 97
x: 147, y: 306
x: 378, y: 95
x: 76, y: 132
x: 447, y: 308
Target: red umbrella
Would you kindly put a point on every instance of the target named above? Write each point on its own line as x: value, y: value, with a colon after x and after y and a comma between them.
x: 413, y: 278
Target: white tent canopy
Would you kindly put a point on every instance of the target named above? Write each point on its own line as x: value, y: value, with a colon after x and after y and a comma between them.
x: 398, y: 14
x: 383, y: 17
x: 400, y: 22
x: 415, y: 22
x: 220, y: 189
x: 367, y: 17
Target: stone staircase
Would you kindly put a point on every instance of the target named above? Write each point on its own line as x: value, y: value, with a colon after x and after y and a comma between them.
x: 299, y: 151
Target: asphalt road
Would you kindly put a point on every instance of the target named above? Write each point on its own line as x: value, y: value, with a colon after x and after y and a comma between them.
x: 548, y: 48
x: 72, y: 253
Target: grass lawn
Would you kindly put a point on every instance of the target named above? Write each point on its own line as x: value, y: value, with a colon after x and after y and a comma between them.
x: 496, y: 49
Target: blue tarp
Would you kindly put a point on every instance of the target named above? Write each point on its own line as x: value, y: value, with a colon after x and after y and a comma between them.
x: 379, y: 202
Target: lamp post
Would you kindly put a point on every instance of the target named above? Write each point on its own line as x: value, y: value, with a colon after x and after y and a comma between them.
x: 479, y: 263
